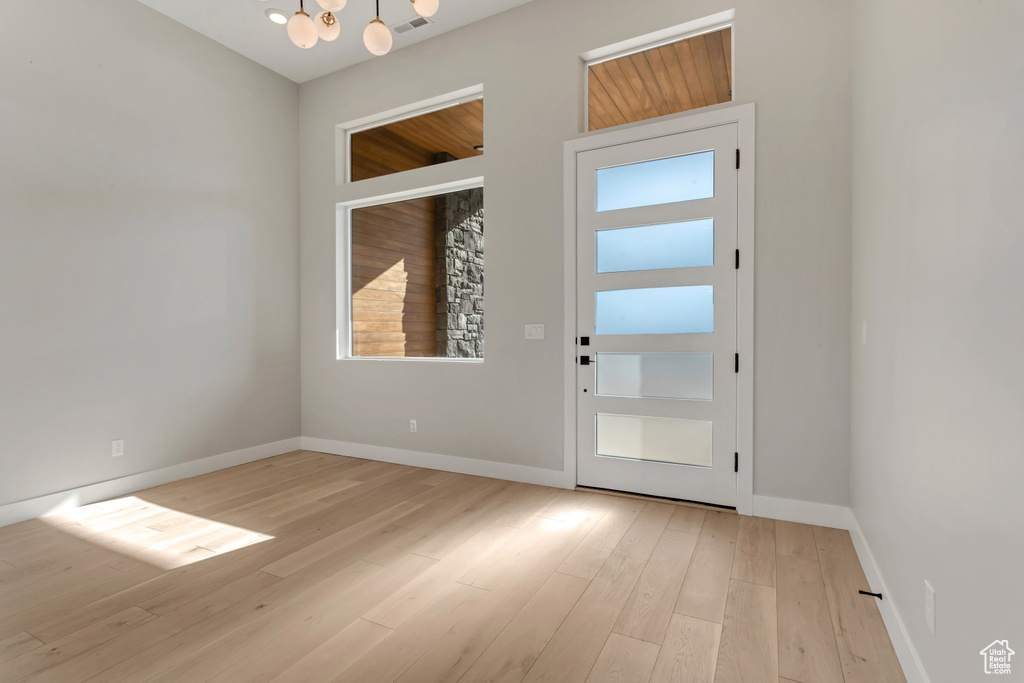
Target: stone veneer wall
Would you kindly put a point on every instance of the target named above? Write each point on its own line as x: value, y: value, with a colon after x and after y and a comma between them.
x: 459, y: 274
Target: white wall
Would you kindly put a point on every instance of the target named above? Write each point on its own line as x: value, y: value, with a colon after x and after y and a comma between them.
x: 938, y: 390
x: 148, y: 246
x: 792, y: 58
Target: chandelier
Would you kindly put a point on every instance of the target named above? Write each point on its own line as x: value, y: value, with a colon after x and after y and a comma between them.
x: 304, y: 30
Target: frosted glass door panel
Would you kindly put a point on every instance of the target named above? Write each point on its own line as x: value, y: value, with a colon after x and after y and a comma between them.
x: 658, y: 439
x: 689, y: 244
x: 656, y: 375
x: 657, y: 310
x: 662, y: 181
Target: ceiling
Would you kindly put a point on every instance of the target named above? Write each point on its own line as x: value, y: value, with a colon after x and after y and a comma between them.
x: 242, y: 26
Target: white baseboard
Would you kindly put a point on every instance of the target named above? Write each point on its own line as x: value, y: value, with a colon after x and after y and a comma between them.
x: 84, y: 495
x: 913, y: 668
x: 820, y: 514
x: 447, y: 463
x: 838, y: 517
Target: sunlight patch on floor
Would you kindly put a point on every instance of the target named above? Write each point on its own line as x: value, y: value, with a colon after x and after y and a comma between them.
x: 151, y: 533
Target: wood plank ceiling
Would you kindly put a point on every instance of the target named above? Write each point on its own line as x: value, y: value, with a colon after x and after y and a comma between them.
x: 414, y: 143
x: 691, y: 73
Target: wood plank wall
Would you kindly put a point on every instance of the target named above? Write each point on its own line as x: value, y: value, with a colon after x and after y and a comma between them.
x: 393, y: 296
x: 665, y: 80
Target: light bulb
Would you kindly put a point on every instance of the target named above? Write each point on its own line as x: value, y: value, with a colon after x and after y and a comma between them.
x: 332, y: 5
x: 377, y: 38
x: 301, y: 30
x: 425, y: 8
x: 327, y: 25
x: 277, y: 16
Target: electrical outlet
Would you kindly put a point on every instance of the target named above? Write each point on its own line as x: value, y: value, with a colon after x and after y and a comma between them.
x: 929, y: 606
x: 412, y: 426
x: 118, y: 448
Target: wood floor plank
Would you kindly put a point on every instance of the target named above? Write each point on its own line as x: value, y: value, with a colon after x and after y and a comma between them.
x: 795, y: 540
x: 749, y: 652
x: 624, y: 660
x: 649, y: 609
x: 156, y: 645
x: 18, y: 645
x: 572, y: 651
x: 509, y: 656
x: 525, y: 573
x: 476, y: 580
x: 706, y: 584
x: 389, y: 660
x: 57, y: 652
x: 689, y: 653
x: 643, y: 535
x: 687, y: 519
x: 754, y: 560
x: 278, y: 644
x: 63, y: 614
x: 335, y: 655
x: 321, y: 549
x: 539, y: 535
x: 807, y: 645
x: 591, y: 554
x: 865, y: 650
x: 201, y: 650
x: 397, y: 608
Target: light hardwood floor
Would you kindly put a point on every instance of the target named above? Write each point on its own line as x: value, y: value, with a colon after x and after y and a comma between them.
x: 310, y: 567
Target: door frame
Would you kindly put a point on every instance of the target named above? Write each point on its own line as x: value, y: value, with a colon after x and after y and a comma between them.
x: 743, y: 116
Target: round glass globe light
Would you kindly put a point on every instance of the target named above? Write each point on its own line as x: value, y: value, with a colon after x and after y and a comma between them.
x: 425, y: 8
x: 332, y: 5
x: 330, y: 29
x: 301, y: 30
x: 377, y: 38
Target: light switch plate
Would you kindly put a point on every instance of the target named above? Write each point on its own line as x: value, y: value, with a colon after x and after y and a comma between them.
x: 929, y: 607
x: 534, y: 331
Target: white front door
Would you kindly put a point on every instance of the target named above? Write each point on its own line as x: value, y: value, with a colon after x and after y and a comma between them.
x: 656, y: 226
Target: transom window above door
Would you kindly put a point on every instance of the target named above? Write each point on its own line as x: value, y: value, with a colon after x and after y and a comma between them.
x: 669, y: 77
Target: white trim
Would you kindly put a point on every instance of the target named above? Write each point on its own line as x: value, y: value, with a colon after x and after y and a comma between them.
x: 447, y: 463
x: 344, y: 131
x: 84, y: 495
x: 743, y: 116
x: 802, y: 511
x: 462, y: 181
x: 913, y: 667
x: 661, y: 37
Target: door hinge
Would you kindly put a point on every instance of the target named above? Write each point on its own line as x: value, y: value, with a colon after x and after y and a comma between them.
x: 737, y: 362
x: 737, y: 159
x: 736, y: 462
x: 737, y: 259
